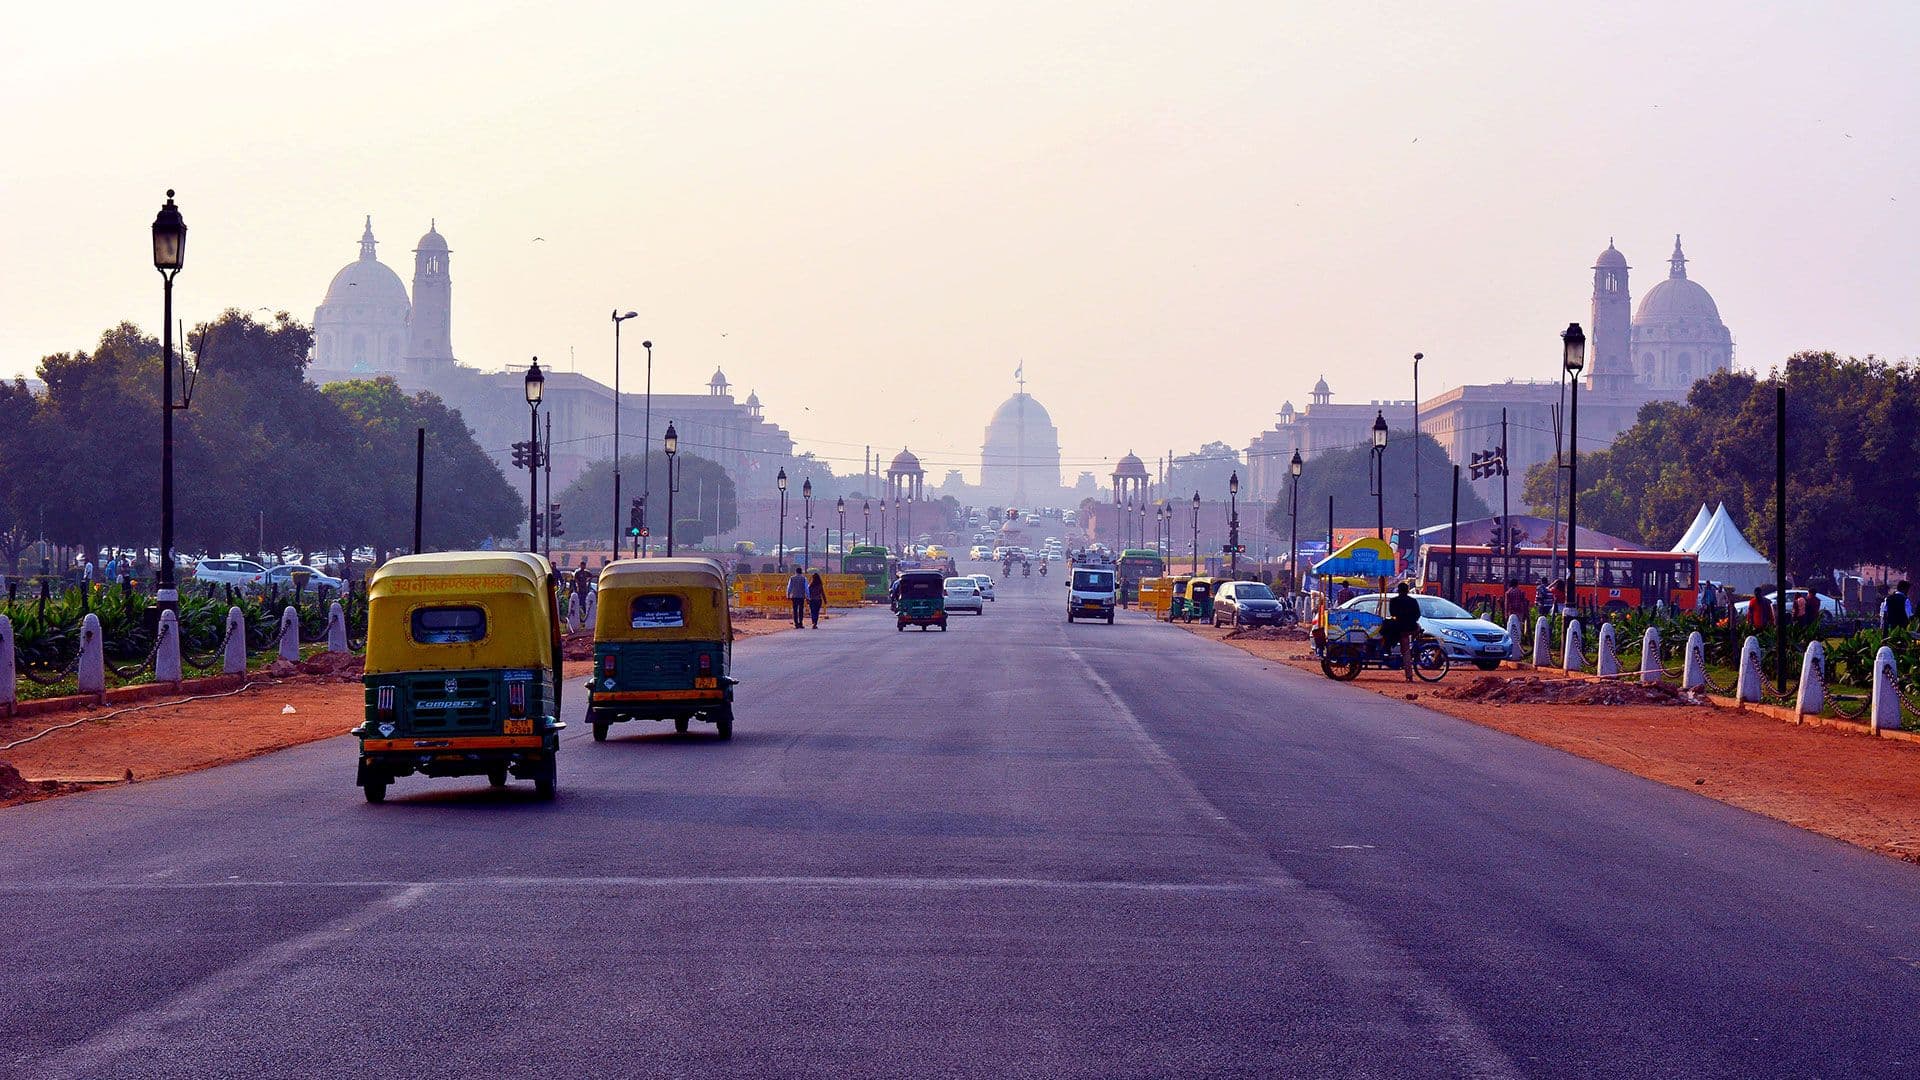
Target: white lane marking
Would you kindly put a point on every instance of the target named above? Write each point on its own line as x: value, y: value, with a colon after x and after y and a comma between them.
x: 218, y: 994
x: 679, y: 882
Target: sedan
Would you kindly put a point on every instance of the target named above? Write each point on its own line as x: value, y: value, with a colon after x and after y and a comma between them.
x: 282, y: 576
x: 985, y: 581
x: 1464, y: 635
x: 1245, y: 603
x: 963, y: 594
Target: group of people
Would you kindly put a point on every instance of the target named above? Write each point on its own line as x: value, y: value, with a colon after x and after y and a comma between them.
x: 807, y: 595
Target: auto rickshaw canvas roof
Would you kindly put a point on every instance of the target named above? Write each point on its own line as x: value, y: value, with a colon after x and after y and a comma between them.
x: 638, y: 573
x: 522, y: 572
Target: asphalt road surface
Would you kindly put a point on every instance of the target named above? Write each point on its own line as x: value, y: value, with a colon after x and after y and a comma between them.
x: 1014, y: 848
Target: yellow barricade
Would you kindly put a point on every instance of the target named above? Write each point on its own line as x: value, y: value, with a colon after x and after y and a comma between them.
x: 1156, y: 595
x: 768, y: 592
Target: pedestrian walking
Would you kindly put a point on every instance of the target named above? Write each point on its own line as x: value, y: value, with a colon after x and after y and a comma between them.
x: 1896, y: 611
x: 1543, y: 597
x: 1515, y: 600
x: 816, y: 595
x: 1705, y: 600
x: 797, y: 596
x: 1760, y: 610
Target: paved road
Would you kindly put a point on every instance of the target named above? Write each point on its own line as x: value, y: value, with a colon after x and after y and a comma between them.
x: 1016, y: 848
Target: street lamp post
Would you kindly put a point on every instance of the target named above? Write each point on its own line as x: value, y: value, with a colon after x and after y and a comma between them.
x: 536, y: 386
x: 1573, y: 356
x: 1196, y: 532
x: 1233, y: 524
x: 866, y: 519
x: 1160, y: 531
x: 672, y: 442
x: 169, y: 255
x: 806, y: 519
x: 1377, y: 473
x: 781, y: 482
x: 840, y: 505
x: 909, y: 516
x: 1294, y: 468
x: 617, y: 320
x: 646, y: 439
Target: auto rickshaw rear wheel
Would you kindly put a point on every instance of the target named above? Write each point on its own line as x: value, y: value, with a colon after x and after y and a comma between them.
x: 681, y: 724
x: 547, y: 779
x: 1343, y: 670
x: 600, y: 730
x: 723, y: 722
x: 376, y: 790
x: 497, y: 774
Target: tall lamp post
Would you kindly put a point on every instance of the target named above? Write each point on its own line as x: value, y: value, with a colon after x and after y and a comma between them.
x: 1196, y: 532
x: 781, y: 482
x: 536, y: 386
x: 1378, y: 475
x: 1294, y: 469
x: 169, y: 255
x: 672, y: 442
x: 1573, y: 355
x: 840, y: 505
x: 806, y: 520
x: 1233, y: 523
x: 646, y: 439
x: 1160, y: 530
x: 909, y: 516
x: 866, y: 519
x: 617, y: 320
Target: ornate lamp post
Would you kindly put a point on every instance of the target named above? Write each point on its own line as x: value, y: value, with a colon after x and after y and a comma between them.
x: 781, y: 482
x: 910, y: 539
x: 866, y: 519
x: 806, y: 518
x: 646, y: 438
x: 1294, y: 469
x: 1573, y: 356
x: 169, y: 255
x: 1233, y: 523
x: 1377, y: 474
x: 1160, y: 530
x: 536, y: 386
x: 672, y: 442
x: 617, y: 320
x: 840, y: 505
x: 896, y: 523
x: 1196, y: 532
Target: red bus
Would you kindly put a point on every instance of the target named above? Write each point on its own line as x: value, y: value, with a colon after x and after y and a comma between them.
x: 1608, y: 580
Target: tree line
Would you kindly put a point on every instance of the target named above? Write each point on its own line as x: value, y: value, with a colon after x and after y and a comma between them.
x: 260, y: 454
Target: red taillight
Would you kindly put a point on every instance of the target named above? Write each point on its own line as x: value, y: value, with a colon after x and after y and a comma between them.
x: 383, y: 701
x: 517, y: 699
x: 706, y: 663
x: 607, y: 664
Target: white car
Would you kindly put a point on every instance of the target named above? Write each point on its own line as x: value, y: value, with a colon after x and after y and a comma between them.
x: 283, y: 577
x: 228, y: 571
x: 963, y: 594
x: 985, y: 581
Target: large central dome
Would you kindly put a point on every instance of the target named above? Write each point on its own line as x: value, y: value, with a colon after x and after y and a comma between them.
x: 1021, y: 456
x: 1012, y: 409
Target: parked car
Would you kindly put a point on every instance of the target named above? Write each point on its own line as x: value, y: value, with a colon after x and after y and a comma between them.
x: 963, y: 594
x: 1246, y: 603
x: 985, y: 581
x: 282, y: 576
x: 229, y: 571
x: 1829, y: 607
x: 1464, y: 635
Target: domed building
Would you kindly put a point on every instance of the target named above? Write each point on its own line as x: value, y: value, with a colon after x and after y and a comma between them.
x: 367, y: 326
x: 1020, y: 459
x: 1677, y: 335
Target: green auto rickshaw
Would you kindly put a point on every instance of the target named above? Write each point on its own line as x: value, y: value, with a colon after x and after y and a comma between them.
x: 1199, y: 603
x: 1177, y: 596
x: 920, y: 599
x: 662, y: 646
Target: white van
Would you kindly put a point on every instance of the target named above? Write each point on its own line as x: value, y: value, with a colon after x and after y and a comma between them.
x: 1090, y: 593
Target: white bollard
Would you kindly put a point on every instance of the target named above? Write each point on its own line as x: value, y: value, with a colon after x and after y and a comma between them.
x: 92, y: 678
x: 1570, y: 655
x: 9, y: 689
x: 1609, y: 662
x: 1650, y: 672
x: 1516, y: 649
x: 235, y: 662
x: 336, y: 628
x: 1542, y: 642
x: 166, y: 657
x: 1748, y: 688
x: 1886, y: 692
x: 1693, y: 676
x: 290, y: 635
x: 1813, y: 679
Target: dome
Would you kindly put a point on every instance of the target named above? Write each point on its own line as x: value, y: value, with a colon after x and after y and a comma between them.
x: 1130, y: 466
x: 366, y: 280
x: 1321, y: 387
x: 1610, y: 259
x: 432, y: 241
x: 1677, y: 298
x: 1013, y: 410
x: 753, y: 399
x: 904, y: 462
x: 719, y: 378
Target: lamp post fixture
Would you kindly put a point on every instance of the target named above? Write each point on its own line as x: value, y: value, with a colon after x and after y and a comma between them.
x: 1233, y: 523
x: 1294, y: 468
x: 1160, y: 530
x: 672, y: 442
x: 896, y: 522
x: 866, y: 520
x: 646, y: 439
x: 910, y: 516
x: 169, y: 255
x: 1377, y: 473
x: 1573, y: 356
x: 1196, y: 532
x: 781, y: 482
x: 806, y: 518
x: 840, y: 505
x: 536, y: 385
x: 617, y: 320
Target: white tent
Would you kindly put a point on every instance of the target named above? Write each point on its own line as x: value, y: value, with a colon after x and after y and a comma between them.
x: 1727, y: 558
x: 1692, y: 535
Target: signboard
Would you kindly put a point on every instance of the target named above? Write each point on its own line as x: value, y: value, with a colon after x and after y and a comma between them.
x: 1156, y: 595
x: 1359, y: 560
x: 768, y: 592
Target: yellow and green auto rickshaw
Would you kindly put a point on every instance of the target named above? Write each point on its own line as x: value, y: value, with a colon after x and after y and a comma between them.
x: 1199, y: 603
x: 920, y: 599
x: 1177, y: 596
x: 662, y: 646
x: 463, y: 670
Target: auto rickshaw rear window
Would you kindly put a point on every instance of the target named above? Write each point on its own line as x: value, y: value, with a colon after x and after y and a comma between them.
x: 657, y: 612
x: 449, y: 625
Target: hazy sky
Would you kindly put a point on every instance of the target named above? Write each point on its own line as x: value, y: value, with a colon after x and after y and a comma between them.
x: 1176, y: 214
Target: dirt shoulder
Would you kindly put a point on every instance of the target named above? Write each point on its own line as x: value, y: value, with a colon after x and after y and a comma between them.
x: 1851, y: 787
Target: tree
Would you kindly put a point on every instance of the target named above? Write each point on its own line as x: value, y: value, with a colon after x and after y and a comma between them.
x: 1206, y: 470
x: 1343, y: 473
x: 706, y: 495
x: 21, y: 460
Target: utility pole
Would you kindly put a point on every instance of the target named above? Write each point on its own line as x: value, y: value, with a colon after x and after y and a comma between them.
x: 419, y: 485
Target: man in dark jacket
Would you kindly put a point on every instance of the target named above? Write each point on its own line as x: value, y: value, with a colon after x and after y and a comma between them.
x: 797, y: 596
x: 1403, y: 622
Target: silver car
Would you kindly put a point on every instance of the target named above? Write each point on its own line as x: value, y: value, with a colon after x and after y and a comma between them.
x: 985, y: 581
x: 1465, y: 636
x: 963, y: 594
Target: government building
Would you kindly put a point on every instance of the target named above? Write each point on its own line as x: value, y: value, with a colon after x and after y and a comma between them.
x: 1655, y: 352
x: 368, y: 327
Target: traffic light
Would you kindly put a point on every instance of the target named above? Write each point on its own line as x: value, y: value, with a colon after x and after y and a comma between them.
x: 520, y: 455
x: 634, y: 511
x: 1488, y: 463
x: 555, y: 526
x: 539, y: 524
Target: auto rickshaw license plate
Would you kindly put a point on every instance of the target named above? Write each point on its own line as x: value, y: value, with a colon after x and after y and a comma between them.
x: 522, y: 726
x: 705, y: 682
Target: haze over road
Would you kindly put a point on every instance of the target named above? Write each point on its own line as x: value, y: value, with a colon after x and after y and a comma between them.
x: 1018, y: 847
